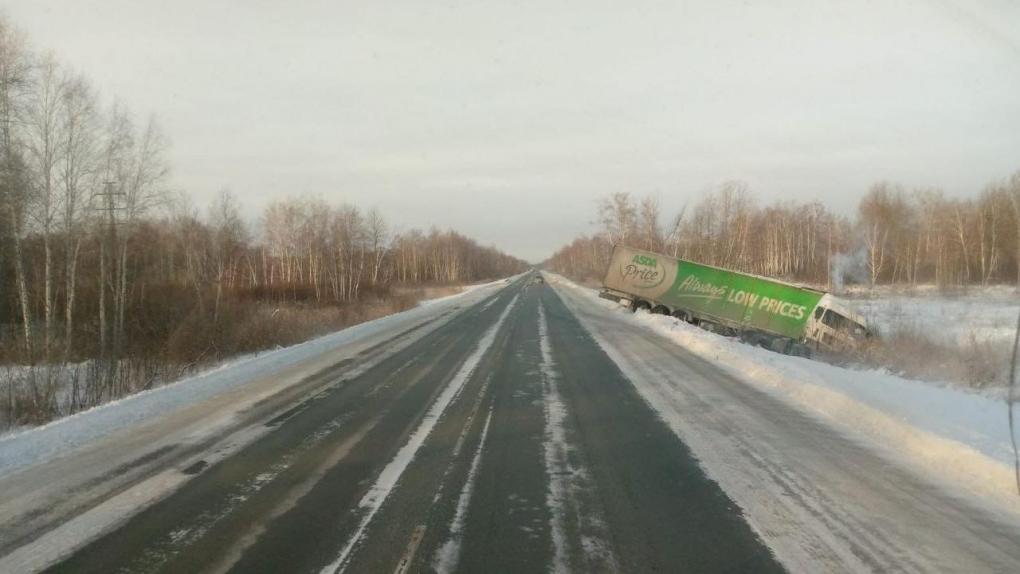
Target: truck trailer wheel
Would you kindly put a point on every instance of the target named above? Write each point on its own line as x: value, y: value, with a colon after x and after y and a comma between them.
x: 798, y: 349
x: 660, y: 310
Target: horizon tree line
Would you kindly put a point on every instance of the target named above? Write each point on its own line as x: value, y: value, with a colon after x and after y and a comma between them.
x: 897, y: 236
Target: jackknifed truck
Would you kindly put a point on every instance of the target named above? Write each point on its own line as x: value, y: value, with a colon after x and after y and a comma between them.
x: 781, y: 316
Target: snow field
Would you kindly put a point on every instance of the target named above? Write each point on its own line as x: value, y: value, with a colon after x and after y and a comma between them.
x: 982, y: 315
x: 964, y: 338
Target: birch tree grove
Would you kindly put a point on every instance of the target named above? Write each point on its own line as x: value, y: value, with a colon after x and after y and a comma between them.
x: 78, y: 173
x: 896, y: 236
x: 15, y: 81
x: 110, y: 283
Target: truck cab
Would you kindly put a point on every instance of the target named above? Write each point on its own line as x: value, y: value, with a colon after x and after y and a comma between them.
x: 834, y: 326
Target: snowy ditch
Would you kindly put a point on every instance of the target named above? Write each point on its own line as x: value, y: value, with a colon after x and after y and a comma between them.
x: 959, y: 436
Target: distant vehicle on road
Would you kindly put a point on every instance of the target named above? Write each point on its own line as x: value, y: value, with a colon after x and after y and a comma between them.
x: 781, y: 316
x: 537, y: 280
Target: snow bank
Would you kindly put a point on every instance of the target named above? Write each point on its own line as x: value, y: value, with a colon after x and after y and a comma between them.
x: 463, y: 291
x: 954, y: 434
x: 37, y: 444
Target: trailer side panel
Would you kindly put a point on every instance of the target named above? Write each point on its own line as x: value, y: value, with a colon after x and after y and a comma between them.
x: 752, y: 302
x: 735, y: 299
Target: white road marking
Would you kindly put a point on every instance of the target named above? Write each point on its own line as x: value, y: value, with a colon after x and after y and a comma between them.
x: 566, y: 479
x: 557, y: 465
x: 448, y: 555
x: 387, y: 479
x: 461, y: 439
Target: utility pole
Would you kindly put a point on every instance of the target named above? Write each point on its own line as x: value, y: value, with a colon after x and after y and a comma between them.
x: 106, y: 243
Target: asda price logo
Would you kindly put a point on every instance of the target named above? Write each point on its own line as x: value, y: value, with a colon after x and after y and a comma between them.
x: 643, y: 272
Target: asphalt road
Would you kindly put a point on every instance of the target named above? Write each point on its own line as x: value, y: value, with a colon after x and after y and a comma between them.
x: 504, y: 441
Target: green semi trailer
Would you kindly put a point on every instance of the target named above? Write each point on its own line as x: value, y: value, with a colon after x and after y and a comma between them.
x: 775, y: 314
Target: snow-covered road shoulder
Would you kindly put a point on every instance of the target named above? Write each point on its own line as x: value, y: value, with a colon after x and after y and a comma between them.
x: 961, y: 437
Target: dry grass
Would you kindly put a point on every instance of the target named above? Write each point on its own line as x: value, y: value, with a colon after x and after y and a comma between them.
x: 911, y: 353
x: 249, y: 327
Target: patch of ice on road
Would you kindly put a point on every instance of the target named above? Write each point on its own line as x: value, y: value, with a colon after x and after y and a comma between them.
x: 957, y: 435
x: 449, y: 553
x: 392, y: 472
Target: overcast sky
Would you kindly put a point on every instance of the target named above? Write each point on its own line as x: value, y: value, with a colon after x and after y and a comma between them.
x: 507, y: 120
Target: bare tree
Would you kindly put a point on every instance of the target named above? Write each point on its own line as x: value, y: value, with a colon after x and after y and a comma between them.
x: 79, y: 170
x: 1013, y: 190
x: 15, y: 81
x: 618, y: 217
x: 229, y: 237
x: 988, y: 209
x: 878, y: 213
x: 142, y: 187
x: 44, y: 149
x: 651, y: 233
x: 377, y: 237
